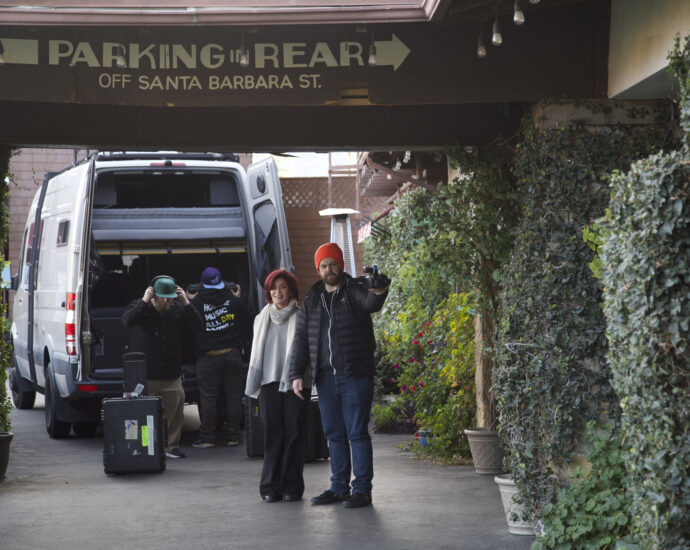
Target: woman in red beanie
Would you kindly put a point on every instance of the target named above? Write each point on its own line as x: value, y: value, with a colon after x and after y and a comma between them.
x: 284, y: 414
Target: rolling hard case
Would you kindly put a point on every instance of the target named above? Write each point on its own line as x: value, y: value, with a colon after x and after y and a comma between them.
x: 133, y: 372
x: 317, y: 444
x: 134, y: 435
x: 255, y: 427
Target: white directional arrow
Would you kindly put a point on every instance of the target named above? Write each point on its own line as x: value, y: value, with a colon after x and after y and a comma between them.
x: 19, y: 51
x: 391, y: 52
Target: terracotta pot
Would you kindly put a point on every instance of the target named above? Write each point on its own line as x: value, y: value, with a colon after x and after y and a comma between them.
x: 5, y: 440
x: 487, y: 453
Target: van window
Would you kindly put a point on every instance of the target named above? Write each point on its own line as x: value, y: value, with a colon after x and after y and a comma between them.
x: 165, y: 189
x: 63, y: 233
x: 267, y: 239
x: 37, y: 253
x: 22, y: 259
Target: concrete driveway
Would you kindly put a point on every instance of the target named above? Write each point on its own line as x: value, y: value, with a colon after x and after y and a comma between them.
x: 56, y: 496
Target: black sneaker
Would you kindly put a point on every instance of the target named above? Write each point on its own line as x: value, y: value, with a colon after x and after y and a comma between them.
x: 175, y: 453
x: 328, y: 497
x: 201, y: 444
x: 357, y: 500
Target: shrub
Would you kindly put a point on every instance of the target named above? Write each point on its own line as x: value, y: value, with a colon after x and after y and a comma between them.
x: 647, y: 304
x: 393, y: 418
x: 436, y: 377
x: 593, y: 511
x: 646, y: 259
x: 5, y: 405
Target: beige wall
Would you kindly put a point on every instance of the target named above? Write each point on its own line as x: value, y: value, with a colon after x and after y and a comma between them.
x: 642, y: 34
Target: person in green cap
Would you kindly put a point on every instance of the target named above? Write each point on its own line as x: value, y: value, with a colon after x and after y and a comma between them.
x: 158, y: 322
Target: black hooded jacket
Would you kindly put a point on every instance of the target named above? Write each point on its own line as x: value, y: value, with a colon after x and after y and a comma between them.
x: 227, y: 322
x: 351, y: 309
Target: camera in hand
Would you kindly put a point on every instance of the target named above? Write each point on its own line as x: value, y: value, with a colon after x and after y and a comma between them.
x: 230, y: 285
x: 374, y: 279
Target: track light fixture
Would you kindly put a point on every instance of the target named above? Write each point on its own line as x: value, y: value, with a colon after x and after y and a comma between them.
x: 518, y: 15
x: 496, y: 37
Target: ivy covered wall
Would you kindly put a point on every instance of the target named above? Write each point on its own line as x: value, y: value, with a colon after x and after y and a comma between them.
x: 552, y: 374
x: 646, y: 266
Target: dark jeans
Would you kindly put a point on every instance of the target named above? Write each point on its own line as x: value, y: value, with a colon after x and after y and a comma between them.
x: 216, y: 374
x: 345, y: 404
x: 285, y: 440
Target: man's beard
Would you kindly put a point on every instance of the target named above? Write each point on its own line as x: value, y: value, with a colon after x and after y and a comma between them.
x: 161, y: 306
x: 332, y: 279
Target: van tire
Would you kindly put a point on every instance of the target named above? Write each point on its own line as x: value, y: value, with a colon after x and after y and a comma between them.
x: 21, y: 399
x: 57, y: 429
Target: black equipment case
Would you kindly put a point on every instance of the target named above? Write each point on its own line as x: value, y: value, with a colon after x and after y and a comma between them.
x: 255, y: 427
x: 317, y: 445
x: 133, y: 372
x: 134, y: 435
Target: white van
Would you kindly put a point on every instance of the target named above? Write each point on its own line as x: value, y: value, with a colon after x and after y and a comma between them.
x: 96, y: 235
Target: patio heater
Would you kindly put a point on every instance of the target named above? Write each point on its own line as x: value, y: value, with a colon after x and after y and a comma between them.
x: 341, y: 234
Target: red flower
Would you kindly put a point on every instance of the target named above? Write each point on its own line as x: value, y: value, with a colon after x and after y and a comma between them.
x: 396, y: 366
x: 421, y: 384
x: 404, y: 387
x: 428, y: 341
x: 412, y: 360
x: 414, y: 341
x: 391, y: 381
x: 413, y: 388
x: 421, y: 346
x: 420, y: 335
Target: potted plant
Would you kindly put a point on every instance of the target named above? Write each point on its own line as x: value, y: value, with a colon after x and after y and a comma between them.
x: 485, y: 446
x: 513, y: 510
x: 486, y: 449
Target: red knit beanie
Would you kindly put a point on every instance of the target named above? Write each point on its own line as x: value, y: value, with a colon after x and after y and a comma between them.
x: 329, y: 250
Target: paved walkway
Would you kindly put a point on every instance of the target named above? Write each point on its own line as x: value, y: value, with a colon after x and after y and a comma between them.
x: 56, y: 496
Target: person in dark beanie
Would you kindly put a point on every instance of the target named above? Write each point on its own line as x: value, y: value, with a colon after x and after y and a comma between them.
x: 220, y: 369
x: 335, y: 337
x: 158, y: 323
x: 284, y: 415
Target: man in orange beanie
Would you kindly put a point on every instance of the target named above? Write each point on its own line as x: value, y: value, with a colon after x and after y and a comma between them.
x: 335, y: 335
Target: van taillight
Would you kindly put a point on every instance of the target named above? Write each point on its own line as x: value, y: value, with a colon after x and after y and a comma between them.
x: 168, y: 163
x: 70, y: 328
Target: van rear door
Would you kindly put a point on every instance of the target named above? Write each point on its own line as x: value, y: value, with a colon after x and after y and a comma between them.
x: 271, y: 243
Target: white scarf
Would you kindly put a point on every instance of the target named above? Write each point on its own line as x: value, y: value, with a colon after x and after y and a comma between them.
x: 270, y: 314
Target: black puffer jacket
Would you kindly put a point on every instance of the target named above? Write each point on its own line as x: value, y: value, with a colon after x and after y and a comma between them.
x: 352, y: 306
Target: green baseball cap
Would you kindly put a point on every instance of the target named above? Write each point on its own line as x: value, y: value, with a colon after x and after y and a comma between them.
x: 165, y: 287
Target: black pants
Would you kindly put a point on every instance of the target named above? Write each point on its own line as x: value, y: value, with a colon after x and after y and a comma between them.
x: 285, y: 440
x: 216, y: 374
